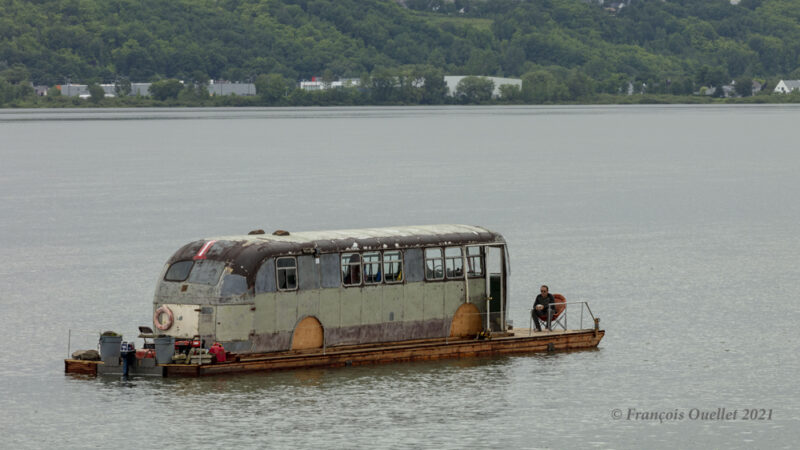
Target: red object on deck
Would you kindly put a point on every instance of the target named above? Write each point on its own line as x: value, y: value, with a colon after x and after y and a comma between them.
x: 558, y: 308
x: 219, y: 351
x: 143, y: 353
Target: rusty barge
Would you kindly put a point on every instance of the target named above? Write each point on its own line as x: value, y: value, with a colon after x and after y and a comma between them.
x: 333, y: 298
x: 519, y: 342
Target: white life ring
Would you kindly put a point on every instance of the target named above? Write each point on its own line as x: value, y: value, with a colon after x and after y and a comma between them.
x: 157, y: 318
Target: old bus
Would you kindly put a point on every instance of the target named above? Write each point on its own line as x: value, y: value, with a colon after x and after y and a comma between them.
x: 288, y: 291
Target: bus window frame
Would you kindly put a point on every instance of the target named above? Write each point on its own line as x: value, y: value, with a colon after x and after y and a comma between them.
x: 481, y: 258
x: 188, y: 272
x: 378, y: 262
x: 400, y: 260
x: 425, y: 260
x: 459, y: 259
x: 350, y: 265
x: 278, y: 270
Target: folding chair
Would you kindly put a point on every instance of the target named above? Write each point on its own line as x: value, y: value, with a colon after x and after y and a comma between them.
x: 558, y: 318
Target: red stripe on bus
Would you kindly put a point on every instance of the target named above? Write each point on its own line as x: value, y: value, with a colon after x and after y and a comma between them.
x: 202, y: 253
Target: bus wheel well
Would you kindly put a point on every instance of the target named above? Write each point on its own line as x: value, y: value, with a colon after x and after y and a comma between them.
x: 308, y: 334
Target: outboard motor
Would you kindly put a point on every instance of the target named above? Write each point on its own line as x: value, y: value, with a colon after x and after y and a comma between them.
x: 127, y: 352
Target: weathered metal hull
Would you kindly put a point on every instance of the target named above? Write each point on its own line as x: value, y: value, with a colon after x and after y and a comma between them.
x: 423, y: 350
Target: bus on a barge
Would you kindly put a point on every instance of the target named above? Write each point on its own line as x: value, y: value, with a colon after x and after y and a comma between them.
x: 288, y: 291
x: 300, y: 294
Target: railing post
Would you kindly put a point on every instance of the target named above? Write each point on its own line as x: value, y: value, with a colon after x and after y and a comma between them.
x: 530, y: 322
x: 488, y: 310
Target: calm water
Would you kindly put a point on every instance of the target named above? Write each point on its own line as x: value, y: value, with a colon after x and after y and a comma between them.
x: 679, y: 224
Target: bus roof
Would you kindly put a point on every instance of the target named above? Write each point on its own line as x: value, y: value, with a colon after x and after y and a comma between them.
x: 455, y: 232
x: 245, y: 252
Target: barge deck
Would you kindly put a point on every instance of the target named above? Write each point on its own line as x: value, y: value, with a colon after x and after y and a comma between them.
x: 519, y: 341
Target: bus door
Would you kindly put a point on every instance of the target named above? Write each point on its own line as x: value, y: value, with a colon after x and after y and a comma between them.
x: 495, y: 287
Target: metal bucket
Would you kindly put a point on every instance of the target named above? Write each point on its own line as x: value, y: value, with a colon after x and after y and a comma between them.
x: 109, y: 347
x: 165, y: 348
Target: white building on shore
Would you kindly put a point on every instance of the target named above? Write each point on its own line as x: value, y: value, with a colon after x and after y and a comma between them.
x: 787, y: 86
x: 316, y: 84
x: 453, y: 80
x: 82, y: 90
x: 143, y: 89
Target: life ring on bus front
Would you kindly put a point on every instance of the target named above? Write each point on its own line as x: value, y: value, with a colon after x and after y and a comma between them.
x: 157, y: 318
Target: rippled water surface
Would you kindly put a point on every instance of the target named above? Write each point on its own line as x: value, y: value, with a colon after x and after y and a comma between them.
x: 679, y: 224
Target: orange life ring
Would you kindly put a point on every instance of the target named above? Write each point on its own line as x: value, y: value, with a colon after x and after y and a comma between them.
x: 157, y: 318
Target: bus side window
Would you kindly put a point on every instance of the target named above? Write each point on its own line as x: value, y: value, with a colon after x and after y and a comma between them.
x: 233, y: 285
x: 414, y: 266
x: 331, y: 273
x: 309, y: 272
x: 287, y: 273
x: 372, y: 267
x: 433, y: 264
x: 454, y: 265
x: 393, y: 266
x: 265, y: 277
x: 474, y: 261
x: 351, y: 269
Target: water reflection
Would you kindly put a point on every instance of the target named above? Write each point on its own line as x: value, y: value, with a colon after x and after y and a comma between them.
x: 464, y: 372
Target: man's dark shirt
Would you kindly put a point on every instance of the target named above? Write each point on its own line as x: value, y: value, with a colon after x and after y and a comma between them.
x: 544, y: 301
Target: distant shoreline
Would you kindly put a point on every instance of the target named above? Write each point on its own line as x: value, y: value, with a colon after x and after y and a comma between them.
x: 322, y: 101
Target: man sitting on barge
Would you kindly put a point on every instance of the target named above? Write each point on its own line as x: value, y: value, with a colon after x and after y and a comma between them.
x: 543, y: 308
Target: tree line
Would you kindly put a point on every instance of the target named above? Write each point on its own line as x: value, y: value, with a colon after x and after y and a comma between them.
x: 571, y: 50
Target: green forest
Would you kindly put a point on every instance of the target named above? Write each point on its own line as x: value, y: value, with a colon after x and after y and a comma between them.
x: 565, y: 51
